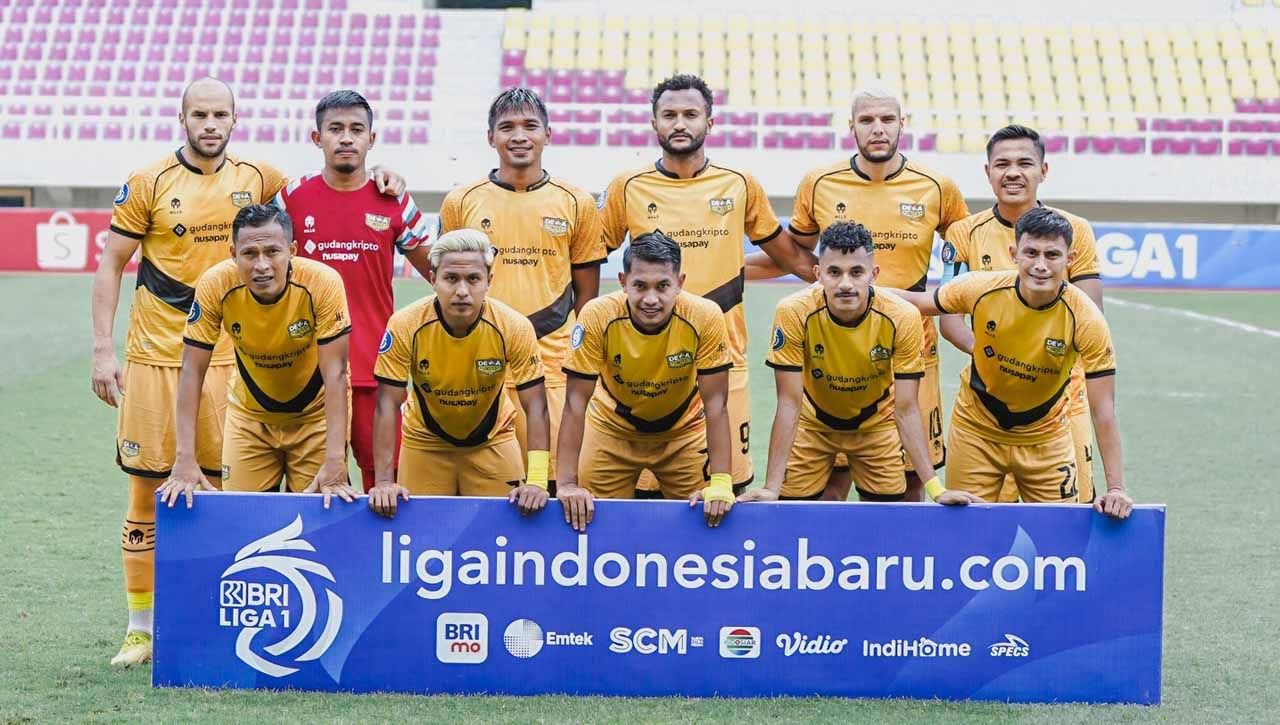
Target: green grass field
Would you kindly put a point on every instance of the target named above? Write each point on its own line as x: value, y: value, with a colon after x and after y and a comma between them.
x: 1196, y: 405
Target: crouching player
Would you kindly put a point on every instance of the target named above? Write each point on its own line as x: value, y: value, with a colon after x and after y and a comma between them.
x: 661, y: 356
x: 455, y: 349
x: 847, y: 366
x: 1030, y: 326
x: 287, y: 407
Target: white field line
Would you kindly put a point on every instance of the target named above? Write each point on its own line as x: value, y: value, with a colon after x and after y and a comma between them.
x: 1223, y: 321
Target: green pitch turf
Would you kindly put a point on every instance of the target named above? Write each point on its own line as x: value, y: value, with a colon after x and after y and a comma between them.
x: 1197, y: 406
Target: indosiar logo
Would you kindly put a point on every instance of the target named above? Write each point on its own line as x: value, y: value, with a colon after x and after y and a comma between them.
x: 280, y: 600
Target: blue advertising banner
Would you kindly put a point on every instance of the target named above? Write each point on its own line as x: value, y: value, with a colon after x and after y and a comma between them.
x: 1018, y: 603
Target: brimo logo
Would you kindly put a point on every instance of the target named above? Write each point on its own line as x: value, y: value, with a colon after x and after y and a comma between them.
x: 257, y: 605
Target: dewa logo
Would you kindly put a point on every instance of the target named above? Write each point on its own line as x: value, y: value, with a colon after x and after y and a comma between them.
x: 489, y: 366
x: 299, y: 328
x: 722, y: 206
x: 880, y: 353
x: 1056, y: 347
x: 680, y: 359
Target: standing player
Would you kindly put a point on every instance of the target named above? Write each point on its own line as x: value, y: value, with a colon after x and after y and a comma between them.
x: 456, y: 349
x: 179, y: 211
x: 1016, y: 167
x: 1010, y: 417
x: 903, y: 204
x: 345, y: 222
x: 661, y: 358
x: 708, y: 209
x: 288, y: 323
x: 847, y: 363
x: 547, y: 235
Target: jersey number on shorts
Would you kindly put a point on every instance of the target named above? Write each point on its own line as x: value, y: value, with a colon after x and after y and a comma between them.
x: 1068, y: 486
x: 744, y: 435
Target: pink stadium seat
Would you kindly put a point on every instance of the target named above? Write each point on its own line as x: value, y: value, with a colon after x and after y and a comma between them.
x: 1248, y: 105
x: 1208, y: 146
x: 929, y: 141
x: 12, y: 131
x: 1130, y: 146
x: 536, y: 77
x: 418, y: 136
x: 587, y: 116
x: 819, y: 140
x: 37, y: 131
x: 1270, y: 105
x: 113, y: 132
x: 1211, y: 125
x: 163, y: 132
x: 638, y: 138
x: 588, y: 94
x: 586, y: 137
x: 1052, y: 144
x: 849, y: 143
x: 509, y: 78
x: 420, y: 114
x: 636, y: 95
x: 513, y: 59
x: 611, y: 95
x: 1246, y: 126
x: 560, y: 116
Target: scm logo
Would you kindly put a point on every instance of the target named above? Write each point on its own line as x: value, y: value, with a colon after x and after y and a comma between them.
x: 647, y: 641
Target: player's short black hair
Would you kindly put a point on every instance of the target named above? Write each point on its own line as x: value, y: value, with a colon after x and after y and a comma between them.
x: 342, y: 99
x: 260, y: 215
x: 681, y: 82
x: 1014, y: 132
x: 1043, y: 223
x: 516, y: 99
x: 845, y: 237
x: 654, y: 247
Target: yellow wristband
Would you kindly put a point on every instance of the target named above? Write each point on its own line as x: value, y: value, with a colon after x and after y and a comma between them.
x: 536, y: 466
x: 934, y: 488
x: 720, y: 488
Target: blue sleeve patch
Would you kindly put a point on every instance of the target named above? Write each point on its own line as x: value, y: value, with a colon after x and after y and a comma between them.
x: 778, y: 338
x: 948, y: 253
x: 194, y: 316
x: 575, y: 339
x: 122, y: 196
x: 386, y: 342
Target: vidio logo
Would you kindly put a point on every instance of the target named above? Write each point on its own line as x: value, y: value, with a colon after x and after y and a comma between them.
x: 289, y: 606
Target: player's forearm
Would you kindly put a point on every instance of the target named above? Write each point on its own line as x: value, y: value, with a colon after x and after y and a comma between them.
x: 956, y: 332
x: 569, y: 446
x: 718, y: 439
x: 781, y: 438
x: 538, y: 422
x: 586, y: 286
x: 336, y: 390
x: 1092, y: 288
x: 759, y: 265
x: 105, y: 302
x: 923, y: 301
x: 384, y: 437
x: 911, y: 433
x: 787, y: 255
x: 1107, y: 431
x: 195, y: 364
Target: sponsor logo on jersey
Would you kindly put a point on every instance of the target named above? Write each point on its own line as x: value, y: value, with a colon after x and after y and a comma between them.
x: 310, y: 246
x: 652, y: 210
x: 991, y: 327
x: 235, y: 329
x: 1012, y: 646
x: 914, y: 212
x: 179, y: 230
x: 525, y: 638
x: 385, y: 343
x: 722, y: 205
x: 309, y: 223
x: 121, y: 196
x: 803, y: 644
x: 840, y: 209
x: 819, y: 350
x: 681, y: 359
x: 989, y: 351
x: 880, y: 353
x: 485, y: 224
x: 740, y: 642
x: 377, y: 222
x: 575, y: 337
x: 1056, y: 347
x: 489, y: 366
x: 424, y: 365
x: 555, y: 226
x: 130, y: 449
x: 778, y: 338
x: 986, y: 261
x: 462, y: 638
x: 194, y: 315
x: 299, y: 328
x: 816, y: 373
x: 241, y: 198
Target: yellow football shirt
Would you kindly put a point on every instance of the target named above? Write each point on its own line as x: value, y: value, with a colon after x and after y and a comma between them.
x: 708, y: 215
x: 1022, y: 356
x: 848, y: 369
x: 183, y: 218
x: 457, y: 376
x: 647, y: 381
x: 541, y: 234
x: 276, y: 344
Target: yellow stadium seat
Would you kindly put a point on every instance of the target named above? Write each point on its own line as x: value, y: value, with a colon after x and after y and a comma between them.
x: 1196, y: 104
x: 537, y: 58
x: 540, y: 21
x: 974, y: 142
x: 513, y: 39
x: 1171, y: 103
x: 1222, y: 104
x: 1125, y: 125
x: 616, y: 23
x: 1147, y: 103
x: 1268, y: 87
x: 948, y: 142
x: 612, y: 59
x: 1045, y: 122
x: 564, y: 60
x: 664, y: 24
x: 516, y: 18
x: 1241, y: 87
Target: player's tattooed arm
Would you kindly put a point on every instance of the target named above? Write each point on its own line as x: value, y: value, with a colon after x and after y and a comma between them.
x: 107, y: 378
x: 388, y: 181
x: 186, y: 477
x: 1116, y: 502
x: 576, y: 501
x: 386, y: 493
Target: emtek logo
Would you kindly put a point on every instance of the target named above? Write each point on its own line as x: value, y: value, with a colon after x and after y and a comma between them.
x: 647, y: 641
x: 462, y: 638
x: 1012, y: 646
x: 740, y: 642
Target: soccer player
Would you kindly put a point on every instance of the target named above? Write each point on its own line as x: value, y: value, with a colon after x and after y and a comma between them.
x: 847, y: 365
x: 661, y: 356
x: 708, y: 209
x: 1010, y: 417
x: 179, y: 210
x: 456, y: 349
x: 287, y: 408
x: 903, y: 204
x: 547, y: 235
x: 1016, y: 167
x: 345, y: 222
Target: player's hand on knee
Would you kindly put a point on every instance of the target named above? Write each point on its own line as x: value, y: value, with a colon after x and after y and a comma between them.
x: 384, y: 498
x: 528, y: 498
x: 758, y: 494
x: 184, y: 481
x: 107, y: 379
x: 1115, y: 504
x: 579, y: 507
x: 952, y: 497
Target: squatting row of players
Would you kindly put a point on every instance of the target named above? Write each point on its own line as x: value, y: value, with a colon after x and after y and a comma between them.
x: 516, y: 378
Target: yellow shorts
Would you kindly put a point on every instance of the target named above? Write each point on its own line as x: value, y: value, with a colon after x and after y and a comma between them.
x: 875, y: 456
x: 740, y: 465
x: 1082, y: 438
x: 256, y: 455
x: 555, y: 408
x: 931, y: 415
x: 489, y: 469
x: 609, y: 465
x: 146, y: 433
x: 1045, y: 473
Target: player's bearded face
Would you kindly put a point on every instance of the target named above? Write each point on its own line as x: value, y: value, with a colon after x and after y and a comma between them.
x: 681, y: 122
x: 345, y: 138
x: 461, y: 283
x: 519, y: 137
x: 1015, y: 171
x: 208, y: 125
x: 1042, y: 264
x: 877, y: 126
x: 652, y: 288
x: 846, y: 278
x: 262, y: 254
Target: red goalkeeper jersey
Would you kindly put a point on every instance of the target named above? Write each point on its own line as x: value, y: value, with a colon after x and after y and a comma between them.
x: 357, y: 233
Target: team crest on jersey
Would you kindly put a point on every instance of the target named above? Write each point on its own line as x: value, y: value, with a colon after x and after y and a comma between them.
x: 241, y: 198
x: 489, y: 366
x: 377, y: 222
x: 122, y: 196
x: 575, y: 338
x: 129, y: 449
x: 194, y: 315
x: 555, y: 226
x: 948, y: 253
x: 880, y: 353
x: 722, y: 206
x: 681, y: 359
x: 1056, y: 347
x: 299, y: 328
x: 778, y: 338
x: 385, y: 343
x: 914, y: 212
